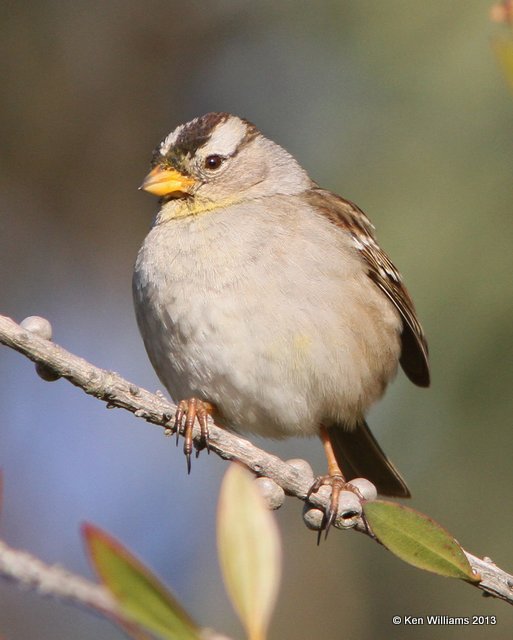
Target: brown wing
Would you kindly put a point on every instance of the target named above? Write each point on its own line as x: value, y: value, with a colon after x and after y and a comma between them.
x: 349, y: 217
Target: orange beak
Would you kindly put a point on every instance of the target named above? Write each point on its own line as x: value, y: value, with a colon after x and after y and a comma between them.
x: 166, y: 182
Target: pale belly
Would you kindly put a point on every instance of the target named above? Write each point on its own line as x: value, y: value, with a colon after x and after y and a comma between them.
x: 279, y: 347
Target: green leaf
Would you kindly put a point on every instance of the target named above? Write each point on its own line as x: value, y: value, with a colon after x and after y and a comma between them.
x: 249, y: 551
x: 418, y: 540
x: 140, y: 595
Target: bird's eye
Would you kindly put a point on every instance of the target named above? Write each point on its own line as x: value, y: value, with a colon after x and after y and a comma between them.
x: 213, y: 162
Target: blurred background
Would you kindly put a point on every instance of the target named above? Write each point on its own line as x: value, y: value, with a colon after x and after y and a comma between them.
x: 399, y: 106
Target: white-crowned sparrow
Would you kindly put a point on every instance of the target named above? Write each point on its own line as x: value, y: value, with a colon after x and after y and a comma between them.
x: 266, y: 301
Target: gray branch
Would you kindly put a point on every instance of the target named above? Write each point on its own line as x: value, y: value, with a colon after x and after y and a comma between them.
x: 52, y: 581
x: 118, y: 392
x: 30, y: 573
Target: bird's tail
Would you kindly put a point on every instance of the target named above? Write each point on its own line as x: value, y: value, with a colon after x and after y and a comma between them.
x: 360, y: 456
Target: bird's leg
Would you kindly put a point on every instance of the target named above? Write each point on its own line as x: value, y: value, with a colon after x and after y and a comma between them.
x: 192, y: 409
x: 334, y: 478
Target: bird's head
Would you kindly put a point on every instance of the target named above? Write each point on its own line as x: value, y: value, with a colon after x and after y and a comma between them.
x: 219, y: 159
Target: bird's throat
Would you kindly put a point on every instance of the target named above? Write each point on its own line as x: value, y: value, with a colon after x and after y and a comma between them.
x: 192, y: 206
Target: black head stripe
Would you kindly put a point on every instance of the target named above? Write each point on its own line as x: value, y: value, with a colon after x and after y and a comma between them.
x: 197, y: 133
x: 194, y: 135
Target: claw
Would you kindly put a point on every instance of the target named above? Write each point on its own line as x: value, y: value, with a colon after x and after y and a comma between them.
x: 187, y: 447
x: 203, y: 421
x: 337, y: 483
x: 315, y: 486
x: 180, y: 410
x: 191, y: 410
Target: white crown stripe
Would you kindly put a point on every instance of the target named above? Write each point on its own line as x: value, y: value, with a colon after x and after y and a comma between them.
x: 226, y: 137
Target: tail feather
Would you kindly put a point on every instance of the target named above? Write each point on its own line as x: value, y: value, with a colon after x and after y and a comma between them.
x: 360, y: 456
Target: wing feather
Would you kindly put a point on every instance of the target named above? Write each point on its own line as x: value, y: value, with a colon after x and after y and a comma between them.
x: 352, y: 220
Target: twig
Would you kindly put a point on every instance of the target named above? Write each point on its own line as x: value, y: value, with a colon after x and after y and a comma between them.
x: 30, y: 573
x: 52, y: 581
x: 118, y: 392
